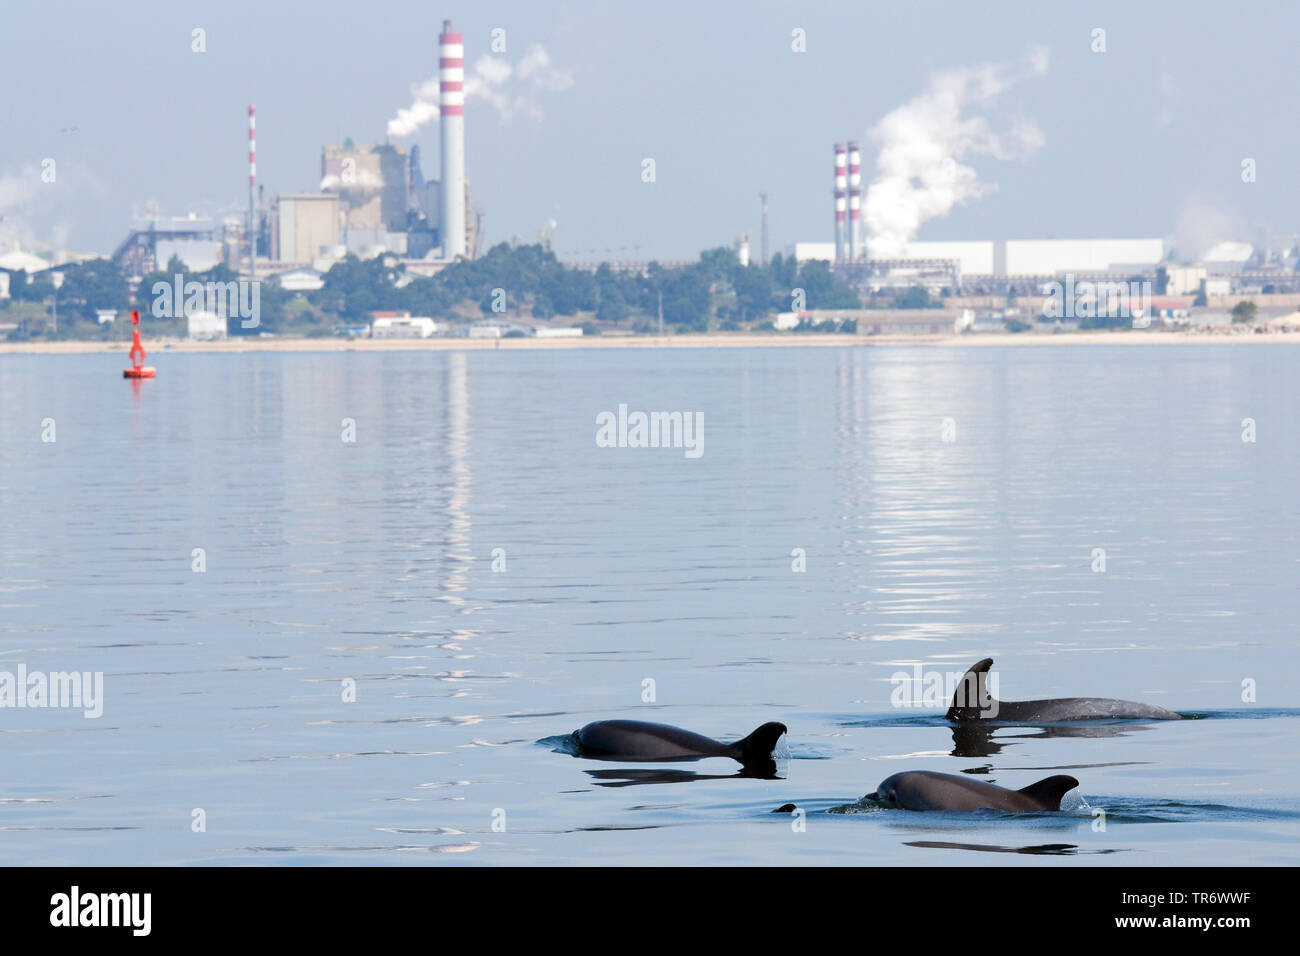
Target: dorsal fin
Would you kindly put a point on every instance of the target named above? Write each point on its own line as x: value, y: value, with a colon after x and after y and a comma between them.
x: 1049, y: 791
x: 758, y: 746
x: 971, y: 699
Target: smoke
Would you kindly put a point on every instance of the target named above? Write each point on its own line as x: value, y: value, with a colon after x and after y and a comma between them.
x: 920, y: 169
x: 361, y: 179
x: 1202, y: 223
x: 511, y: 90
x: 424, y: 109
x: 18, y: 190
x: 20, y: 194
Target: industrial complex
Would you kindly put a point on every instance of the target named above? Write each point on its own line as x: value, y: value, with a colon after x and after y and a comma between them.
x: 375, y: 200
x: 371, y: 200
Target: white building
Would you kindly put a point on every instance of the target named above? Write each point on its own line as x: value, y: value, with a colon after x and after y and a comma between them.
x: 18, y: 261
x: 301, y: 280
x: 206, y: 326
x: 403, y: 327
x: 1020, y: 257
x: 570, y: 333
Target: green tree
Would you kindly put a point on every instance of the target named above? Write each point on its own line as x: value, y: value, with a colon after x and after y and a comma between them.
x: 916, y: 297
x: 822, y: 290
x: 1244, y: 311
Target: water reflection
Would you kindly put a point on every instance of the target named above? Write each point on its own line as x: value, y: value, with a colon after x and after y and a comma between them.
x: 1043, y: 849
x: 637, y: 776
x: 977, y: 739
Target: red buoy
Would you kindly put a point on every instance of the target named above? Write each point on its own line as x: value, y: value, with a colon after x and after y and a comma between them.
x: 137, y: 369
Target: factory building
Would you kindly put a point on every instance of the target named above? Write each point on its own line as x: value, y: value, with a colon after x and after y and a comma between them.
x: 1017, y: 258
x: 372, y: 186
x: 196, y: 240
x: 305, y: 226
x: 372, y: 200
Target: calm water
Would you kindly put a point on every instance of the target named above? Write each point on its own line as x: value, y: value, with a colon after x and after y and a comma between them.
x: 372, y: 561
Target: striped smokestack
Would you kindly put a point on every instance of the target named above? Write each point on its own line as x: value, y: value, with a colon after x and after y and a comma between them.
x: 252, y: 182
x: 451, y: 86
x: 841, y: 184
x: 856, y: 248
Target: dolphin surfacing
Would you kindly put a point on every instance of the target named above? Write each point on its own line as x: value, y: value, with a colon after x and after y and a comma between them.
x: 639, y: 740
x: 973, y: 702
x: 926, y: 790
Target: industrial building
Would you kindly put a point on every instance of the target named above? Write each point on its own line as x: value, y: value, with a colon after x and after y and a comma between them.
x: 1018, y: 257
x: 198, y: 241
x: 305, y: 225
x: 386, y: 204
x: 372, y: 200
x: 206, y: 326
x: 401, y: 325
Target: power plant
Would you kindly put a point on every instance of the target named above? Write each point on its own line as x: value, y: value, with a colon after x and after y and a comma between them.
x: 371, y: 200
x: 964, y: 265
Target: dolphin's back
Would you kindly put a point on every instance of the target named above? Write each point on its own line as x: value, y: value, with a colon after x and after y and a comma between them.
x: 927, y: 790
x: 640, y: 740
x: 972, y: 701
x: 1080, y: 708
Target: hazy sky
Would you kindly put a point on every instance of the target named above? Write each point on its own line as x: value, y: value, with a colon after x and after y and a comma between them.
x: 1145, y: 139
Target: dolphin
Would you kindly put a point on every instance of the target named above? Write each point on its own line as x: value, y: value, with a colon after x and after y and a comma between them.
x: 972, y: 702
x: 639, y: 740
x: 925, y: 790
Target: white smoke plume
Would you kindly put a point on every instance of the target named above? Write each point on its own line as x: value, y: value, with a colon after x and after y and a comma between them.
x: 1203, y: 222
x: 920, y: 173
x: 20, y: 195
x: 511, y: 90
x: 17, y: 190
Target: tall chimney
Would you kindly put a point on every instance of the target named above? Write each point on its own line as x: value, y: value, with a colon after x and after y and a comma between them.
x: 840, y: 191
x: 252, y: 182
x: 451, y: 86
x: 856, y: 248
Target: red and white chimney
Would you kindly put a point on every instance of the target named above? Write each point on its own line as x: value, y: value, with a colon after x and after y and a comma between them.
x: 841, y: 187
x: 451, y: 89
x: 856, y: 248
x: 252, y: 182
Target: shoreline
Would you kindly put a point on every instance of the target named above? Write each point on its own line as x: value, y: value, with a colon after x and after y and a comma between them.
x: 707, y: 340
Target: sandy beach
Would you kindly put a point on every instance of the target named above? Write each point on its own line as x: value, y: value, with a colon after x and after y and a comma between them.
x: 713, y: 340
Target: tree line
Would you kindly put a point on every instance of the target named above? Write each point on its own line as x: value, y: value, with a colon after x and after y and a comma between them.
x: 715, y: 292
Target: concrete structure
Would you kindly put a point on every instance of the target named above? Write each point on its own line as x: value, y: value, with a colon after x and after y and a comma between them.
x: 301, y: 280
x: 742, y: 249
x: 199, y: 255
x: 1020, y: 257
x: 857, y: 250
x: 402, y: 327
x: 196, y: 240
x: 451, y: 86
x: 1038, y: 257
x: 840, y: 192
x: 1229, y: 255
x: 252, y: 183
x: 1184, y: 280
x: 570, y: 333
x: 304, y: 225
x: 18, y: 261
x: 370, y: 182
x: 484, y: 332
x: 205, y: 326
x: 4, y: 285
